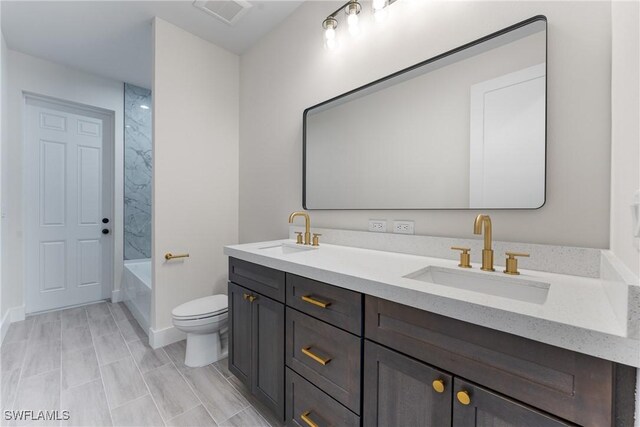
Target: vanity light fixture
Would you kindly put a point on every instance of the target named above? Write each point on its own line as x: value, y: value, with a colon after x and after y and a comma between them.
x: 352, y: 9
x: 329, y: 26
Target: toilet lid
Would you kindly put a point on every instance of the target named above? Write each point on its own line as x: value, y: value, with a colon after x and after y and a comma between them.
x: 207, y: 306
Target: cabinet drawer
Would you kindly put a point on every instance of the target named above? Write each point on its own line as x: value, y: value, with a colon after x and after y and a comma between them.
x: 263, y: 280
x: 326, y: 356
x: 306, y: 400
x: 570, y: 385
x: 340, y: 307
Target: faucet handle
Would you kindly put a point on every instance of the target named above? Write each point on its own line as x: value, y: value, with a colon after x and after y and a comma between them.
x: 299, y: 237
x: 465, y: 258
x: 512, y: 262
x: 315, y: 239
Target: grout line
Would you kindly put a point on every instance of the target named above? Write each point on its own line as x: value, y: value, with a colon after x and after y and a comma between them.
x: 251, y: 405
x: 139, y: 371
x: 193, y: 390
x: 130, y: 401
x: 95, y: 351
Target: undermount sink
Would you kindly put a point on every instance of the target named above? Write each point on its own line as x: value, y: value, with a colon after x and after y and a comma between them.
x: 484, y: 283
x: 287, y: 248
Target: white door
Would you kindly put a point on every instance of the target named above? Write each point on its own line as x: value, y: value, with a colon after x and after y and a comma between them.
x: 68, y: 201
x: 507, y: 141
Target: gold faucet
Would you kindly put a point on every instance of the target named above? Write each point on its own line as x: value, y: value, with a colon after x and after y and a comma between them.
x: 487, y: 252
x: 307, y: 226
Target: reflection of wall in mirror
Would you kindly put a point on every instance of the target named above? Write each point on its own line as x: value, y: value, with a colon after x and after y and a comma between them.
x: 406, y: 146
x: 507, y: 140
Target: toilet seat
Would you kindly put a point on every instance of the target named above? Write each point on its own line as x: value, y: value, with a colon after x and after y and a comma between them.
x: 202, y: 321
x: 201, y: 308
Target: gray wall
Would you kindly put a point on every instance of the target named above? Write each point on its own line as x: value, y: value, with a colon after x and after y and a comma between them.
x: 137, y: 172
x: 289, y: 70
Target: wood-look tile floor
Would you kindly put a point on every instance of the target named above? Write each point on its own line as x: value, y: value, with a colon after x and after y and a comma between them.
x: 94, y: 361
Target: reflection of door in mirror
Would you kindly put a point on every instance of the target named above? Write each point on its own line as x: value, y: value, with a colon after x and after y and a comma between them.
x: 507, y: 140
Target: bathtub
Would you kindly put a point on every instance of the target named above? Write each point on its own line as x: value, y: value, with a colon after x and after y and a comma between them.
x: 137, y: 290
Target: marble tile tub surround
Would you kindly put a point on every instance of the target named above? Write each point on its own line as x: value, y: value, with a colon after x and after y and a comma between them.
x: 137, y: 172
x: 584, y: 262
x: 577, y: 314
x: 57, y: 361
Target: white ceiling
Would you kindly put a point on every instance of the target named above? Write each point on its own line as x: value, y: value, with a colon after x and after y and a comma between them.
x: 113, y: 38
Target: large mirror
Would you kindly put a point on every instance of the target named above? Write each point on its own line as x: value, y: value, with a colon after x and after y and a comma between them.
x: 463, y: 130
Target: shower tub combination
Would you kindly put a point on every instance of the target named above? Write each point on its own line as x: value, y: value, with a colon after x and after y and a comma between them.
x: 137, y: 290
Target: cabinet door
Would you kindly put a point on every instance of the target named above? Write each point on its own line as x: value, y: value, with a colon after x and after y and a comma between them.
x: 487, y: 409
x: 267, y: 342
x: 239, y: 333
x: 399, y: 391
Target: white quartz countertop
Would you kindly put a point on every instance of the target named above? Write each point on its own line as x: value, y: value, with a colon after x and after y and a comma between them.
x: 576, y: 315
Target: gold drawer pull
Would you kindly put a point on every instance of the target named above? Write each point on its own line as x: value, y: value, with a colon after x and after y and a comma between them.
x: 305, y: 417
x: 316, y: 302
x: 321, y: 360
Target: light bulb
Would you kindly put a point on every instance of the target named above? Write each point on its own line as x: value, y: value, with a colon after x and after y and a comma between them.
x: 330, y: 34
x: 379, y: 4
x: 352, y: 20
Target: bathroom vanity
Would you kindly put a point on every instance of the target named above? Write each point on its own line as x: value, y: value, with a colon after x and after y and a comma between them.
x: 345, y: 336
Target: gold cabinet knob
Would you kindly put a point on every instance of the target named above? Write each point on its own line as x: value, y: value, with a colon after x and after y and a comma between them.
x: 315, y: 239
x: 463, y: 397
x: 249, y: 297
x: 299, y: 237
x: 465, y: 258
x: 512, y: 262
x: 438, y: 386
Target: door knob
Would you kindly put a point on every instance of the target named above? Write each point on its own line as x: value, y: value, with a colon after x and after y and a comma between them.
x: 105, y: 220
x: 105, y: 231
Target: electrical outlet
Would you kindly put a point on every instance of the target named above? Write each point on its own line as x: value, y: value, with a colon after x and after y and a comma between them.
x: 403, y: 227
x: 378, y: 225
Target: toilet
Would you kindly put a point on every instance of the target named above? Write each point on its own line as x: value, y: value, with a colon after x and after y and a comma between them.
x: 204, y: 320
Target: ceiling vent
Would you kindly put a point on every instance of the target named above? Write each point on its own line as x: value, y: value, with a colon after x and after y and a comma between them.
x: 228, y: 11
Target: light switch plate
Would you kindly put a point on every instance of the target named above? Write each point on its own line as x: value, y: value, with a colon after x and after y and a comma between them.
x: 378, y: 225
x: 403, y: 227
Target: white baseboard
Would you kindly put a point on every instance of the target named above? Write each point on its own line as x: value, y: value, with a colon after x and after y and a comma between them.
x: 14, y: 314
x: 161, y: 337
x: 116, y: 295
x: 6, y: 322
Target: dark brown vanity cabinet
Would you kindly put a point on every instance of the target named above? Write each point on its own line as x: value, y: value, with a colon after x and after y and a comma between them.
x: 256, y: 339
x: 401, y: 391
x: 572, y: 386
x: 333, y: 356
